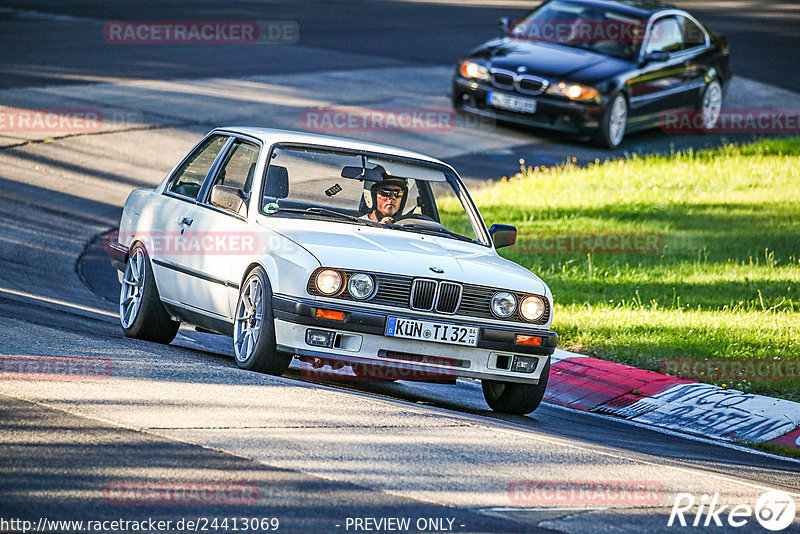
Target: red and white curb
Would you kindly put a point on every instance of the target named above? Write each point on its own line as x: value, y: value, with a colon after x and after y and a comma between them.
x: 586, y: 383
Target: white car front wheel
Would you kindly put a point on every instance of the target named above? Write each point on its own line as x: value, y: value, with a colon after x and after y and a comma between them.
x: 514, y: 398
x: 254, y: 328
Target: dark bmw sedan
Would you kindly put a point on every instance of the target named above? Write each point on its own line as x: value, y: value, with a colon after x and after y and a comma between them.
x: 602, y: 68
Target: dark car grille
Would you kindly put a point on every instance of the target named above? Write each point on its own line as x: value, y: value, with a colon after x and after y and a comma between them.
x: 528, y: 84
x: 502, y: 80
x: 467, y: 299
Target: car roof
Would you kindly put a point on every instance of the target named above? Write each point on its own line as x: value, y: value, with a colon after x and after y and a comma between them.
x: 640, y: 8
x: 270, y: 136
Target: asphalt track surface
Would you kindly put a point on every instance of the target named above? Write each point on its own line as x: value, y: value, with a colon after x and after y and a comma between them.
x: 318, y: 453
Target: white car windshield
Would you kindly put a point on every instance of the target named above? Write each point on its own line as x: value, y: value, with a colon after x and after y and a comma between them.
x: 372, y: 189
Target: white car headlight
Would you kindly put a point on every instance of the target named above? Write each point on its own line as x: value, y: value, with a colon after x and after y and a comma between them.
x: 328, y: 282
x: 532, y: 308
x: 360, y: 286
x: 504, y: 304
x: 470, y: 69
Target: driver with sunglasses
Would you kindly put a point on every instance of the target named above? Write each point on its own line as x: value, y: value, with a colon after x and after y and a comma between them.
x: 388, y: 198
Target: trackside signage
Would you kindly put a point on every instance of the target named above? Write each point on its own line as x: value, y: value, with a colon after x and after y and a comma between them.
x: 586, y: 492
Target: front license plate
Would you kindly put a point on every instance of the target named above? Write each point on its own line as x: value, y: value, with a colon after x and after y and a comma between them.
x: 513, y: 103
x: 431, y: 331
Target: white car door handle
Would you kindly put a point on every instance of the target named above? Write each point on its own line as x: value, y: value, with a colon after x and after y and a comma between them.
x: 185, y: 221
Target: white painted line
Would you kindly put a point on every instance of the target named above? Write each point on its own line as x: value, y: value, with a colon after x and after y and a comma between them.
x: 57, y: 302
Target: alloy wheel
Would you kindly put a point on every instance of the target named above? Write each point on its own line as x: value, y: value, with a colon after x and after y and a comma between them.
x: 249, y: 316
x: 132, y: 288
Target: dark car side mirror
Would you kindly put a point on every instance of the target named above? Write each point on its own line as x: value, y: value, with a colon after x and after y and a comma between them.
x: 503, y: 235
x: 657, y: 56
x: 504, y: 23
x: 227, y: 197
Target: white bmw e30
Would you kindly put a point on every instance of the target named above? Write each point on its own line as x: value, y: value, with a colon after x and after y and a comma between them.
x: 337, y: 252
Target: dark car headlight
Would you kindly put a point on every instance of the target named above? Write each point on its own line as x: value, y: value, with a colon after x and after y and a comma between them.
x: 573, y: 91
x: 470, y: 69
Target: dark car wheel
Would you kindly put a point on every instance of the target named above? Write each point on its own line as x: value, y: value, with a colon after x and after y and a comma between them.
x: 710, y: 104
x: 140, y: 310
x: 514, y: 398
x: 254, y: 328
x: 614, y: 122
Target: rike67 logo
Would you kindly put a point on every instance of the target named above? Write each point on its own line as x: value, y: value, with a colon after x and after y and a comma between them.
x: 774, y: 511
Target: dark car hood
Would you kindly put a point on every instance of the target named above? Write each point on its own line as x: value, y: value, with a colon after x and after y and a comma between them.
x: 549, y: 60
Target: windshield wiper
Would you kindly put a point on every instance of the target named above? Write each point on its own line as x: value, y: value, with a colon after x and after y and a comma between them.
x: 437, y: 230
x: 324, y: 211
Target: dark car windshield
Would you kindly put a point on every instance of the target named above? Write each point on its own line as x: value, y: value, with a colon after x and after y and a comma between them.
x: 586, y: 26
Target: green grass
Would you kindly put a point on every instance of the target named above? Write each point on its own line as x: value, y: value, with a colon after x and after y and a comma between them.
x: 725, y: 282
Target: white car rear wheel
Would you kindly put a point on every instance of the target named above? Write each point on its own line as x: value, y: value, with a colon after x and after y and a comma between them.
x: 141, y: 312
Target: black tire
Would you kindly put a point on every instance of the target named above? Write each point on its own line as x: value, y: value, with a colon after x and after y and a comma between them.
x: 514, y: 398
x: 149, y: 321
x: 605, y: 137
x: 264, y: 356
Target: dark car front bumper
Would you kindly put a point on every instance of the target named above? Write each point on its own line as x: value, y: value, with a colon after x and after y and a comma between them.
x: 551, y: 113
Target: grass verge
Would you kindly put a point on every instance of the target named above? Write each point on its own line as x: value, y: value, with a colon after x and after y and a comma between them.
x: 710, y: 267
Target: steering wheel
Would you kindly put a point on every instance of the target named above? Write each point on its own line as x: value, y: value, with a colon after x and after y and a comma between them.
x: 418, y: 219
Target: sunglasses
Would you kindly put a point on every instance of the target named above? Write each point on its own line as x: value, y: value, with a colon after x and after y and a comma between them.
x: 395, y: 193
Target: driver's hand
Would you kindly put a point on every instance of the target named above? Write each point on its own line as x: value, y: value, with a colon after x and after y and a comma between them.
x: 386, y: 220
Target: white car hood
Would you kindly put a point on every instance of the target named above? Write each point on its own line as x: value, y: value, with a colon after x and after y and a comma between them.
x: 350, y: 246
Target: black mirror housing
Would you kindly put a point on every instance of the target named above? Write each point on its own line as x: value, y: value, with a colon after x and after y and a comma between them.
x: 655, y: 56
x: 504, y: 24
x: 503, y: 235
